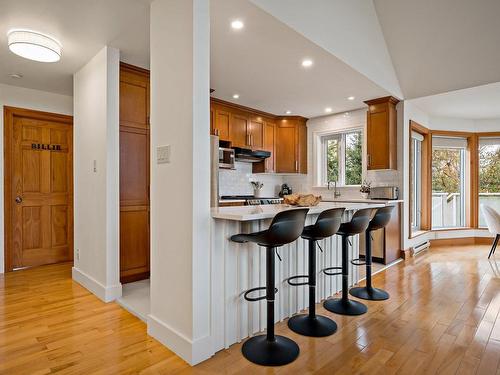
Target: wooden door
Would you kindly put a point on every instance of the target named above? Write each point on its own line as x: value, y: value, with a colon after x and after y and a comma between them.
x: 256, y: 128
x: 221, y: 124
x: 38, y: 188
x: 239, y: 130
x: 134, y: 174
x: 286, y: 147
x: 269, y: 145
x: 302, y: 148
x: 377, y: 140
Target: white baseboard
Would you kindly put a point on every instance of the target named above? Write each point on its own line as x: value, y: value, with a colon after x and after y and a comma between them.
x: 193, y: 352
x: 105, y: 293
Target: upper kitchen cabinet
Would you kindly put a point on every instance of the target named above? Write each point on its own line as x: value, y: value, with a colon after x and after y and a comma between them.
x: 220, y: 123
x: 381, y: 133
x: 285, y: 136
x: 291, y: 145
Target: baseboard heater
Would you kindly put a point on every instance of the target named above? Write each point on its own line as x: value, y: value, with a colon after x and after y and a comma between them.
x: 420, y: 247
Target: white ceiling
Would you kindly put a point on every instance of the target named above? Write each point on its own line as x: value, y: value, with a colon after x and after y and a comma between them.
x: 349, y: 30
x: 434, y: 46
x: 262, y: 63
x: 475, y: 103
x: 442, y: 45
x: 83, y: 28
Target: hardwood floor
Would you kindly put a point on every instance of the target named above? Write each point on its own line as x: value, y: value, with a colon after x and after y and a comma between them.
x: 442, y: 317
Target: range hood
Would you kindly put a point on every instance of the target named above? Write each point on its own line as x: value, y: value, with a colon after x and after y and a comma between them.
x: 250, y: 156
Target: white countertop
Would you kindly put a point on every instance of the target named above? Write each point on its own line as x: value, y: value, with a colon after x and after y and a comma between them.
x: 268, y: 211
x: 363, y: 200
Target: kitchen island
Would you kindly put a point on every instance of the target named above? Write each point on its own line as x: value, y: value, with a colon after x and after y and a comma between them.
x: 238, y: 267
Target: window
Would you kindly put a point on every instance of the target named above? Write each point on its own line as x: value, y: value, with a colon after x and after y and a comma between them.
x: 448, y: 181
x: 416, y: 180
x: 489, y: 174
x: 342, y: 158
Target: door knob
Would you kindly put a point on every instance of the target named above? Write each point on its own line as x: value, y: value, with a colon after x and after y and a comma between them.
x: 19, y: 199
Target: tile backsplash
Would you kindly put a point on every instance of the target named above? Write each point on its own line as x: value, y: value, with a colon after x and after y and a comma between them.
x: 237, y: 181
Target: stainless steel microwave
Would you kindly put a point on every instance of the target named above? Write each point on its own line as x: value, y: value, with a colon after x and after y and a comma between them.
x: 226, y: 158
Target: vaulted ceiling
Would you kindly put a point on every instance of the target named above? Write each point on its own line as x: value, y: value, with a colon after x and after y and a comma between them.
x: 360, y: 48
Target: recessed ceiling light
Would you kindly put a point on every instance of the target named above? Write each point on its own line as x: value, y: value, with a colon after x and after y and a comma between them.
x: 236, y: 96
x: 328, y: 110
x: 34, y: 45
x: 16, y: 75
x: 237, y: 24
x: 351, y: 98
x: 288, y: 112
x: 346, y: 114
x: 307, y: 63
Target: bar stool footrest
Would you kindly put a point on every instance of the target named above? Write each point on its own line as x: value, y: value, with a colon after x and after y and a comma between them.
x: 254, y: 299
x: 358, y: 262
x: 326, y: 271
x: 291, y: 281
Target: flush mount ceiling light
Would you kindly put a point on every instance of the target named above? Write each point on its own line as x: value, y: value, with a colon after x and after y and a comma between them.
x: 288, y: 112
x: 16, y: 75
x: 328, y: 110
x: 34, y: 45
x: 236, y: 96
x: 237, y: 24
x: 306, y: 63
x: 351, y: 98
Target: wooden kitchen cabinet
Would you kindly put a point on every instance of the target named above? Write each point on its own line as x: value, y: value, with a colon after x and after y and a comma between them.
x: 381, y: 133
x: 291, y: 145
x: 221, y: 121
x: 284, y: 136
x: 134, y: 173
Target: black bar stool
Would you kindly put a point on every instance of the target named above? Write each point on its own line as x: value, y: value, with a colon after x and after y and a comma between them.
x: 344, y: 305
x: 310, y: 324
x: 271, y: 349
x: 379, y: 221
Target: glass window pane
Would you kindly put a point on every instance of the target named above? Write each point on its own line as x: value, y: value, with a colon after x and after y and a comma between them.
x: 448, y: 199
x: 489, y: 175
x: 353, y: 155
x: 415, y: 182
x: 332, y: 160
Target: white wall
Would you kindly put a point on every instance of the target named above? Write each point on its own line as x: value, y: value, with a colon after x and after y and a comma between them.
x: 316, y: 127
x: 180, y: 190
x: 96, y: 194
x: 20, y: 97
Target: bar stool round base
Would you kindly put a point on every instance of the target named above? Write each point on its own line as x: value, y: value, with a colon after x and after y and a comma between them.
x: 349, y: 307
x: 373, y: 294
x: 279, y: 352
x: 319, y: 326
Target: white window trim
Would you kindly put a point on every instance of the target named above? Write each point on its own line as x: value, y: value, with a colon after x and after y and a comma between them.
x: 319, y: 155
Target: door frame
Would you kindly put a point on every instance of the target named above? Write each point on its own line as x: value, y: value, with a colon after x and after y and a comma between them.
x: 9, y: 114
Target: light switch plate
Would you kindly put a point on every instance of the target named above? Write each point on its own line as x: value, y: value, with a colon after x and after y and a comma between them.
x: 163, y: 154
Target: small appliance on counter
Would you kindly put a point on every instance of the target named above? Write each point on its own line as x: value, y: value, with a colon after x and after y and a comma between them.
x: 384, y: 193
x: 285, y: 190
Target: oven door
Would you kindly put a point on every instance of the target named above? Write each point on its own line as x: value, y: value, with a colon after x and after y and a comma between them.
x: 226, y: 158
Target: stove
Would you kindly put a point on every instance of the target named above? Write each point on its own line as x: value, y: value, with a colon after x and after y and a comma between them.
x: 251, y: 200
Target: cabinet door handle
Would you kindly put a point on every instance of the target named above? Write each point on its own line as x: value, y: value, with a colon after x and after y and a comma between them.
x: 296, y: 165
x: 369, y: 159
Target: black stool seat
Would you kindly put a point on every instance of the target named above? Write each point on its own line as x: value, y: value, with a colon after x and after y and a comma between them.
x: 327, y: 224
x: 271, y: 349
x: 380, y: 220
x: 344, y: 305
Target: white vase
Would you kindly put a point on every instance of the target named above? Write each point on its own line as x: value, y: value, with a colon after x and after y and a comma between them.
x: 256, y: 193
x: 365, y: 195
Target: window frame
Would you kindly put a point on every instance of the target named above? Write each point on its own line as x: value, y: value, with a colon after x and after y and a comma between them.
x: 464, y: 177
x: 341, y: 136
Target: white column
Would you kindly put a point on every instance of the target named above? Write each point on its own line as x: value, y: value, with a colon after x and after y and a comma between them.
x: 180, y: 189
x: 96, y: 175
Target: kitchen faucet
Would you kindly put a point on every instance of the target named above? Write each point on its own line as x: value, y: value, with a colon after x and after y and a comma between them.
x: 336, y: 193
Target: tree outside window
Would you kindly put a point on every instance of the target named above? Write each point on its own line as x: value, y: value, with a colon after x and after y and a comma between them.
x: 343, y: 158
